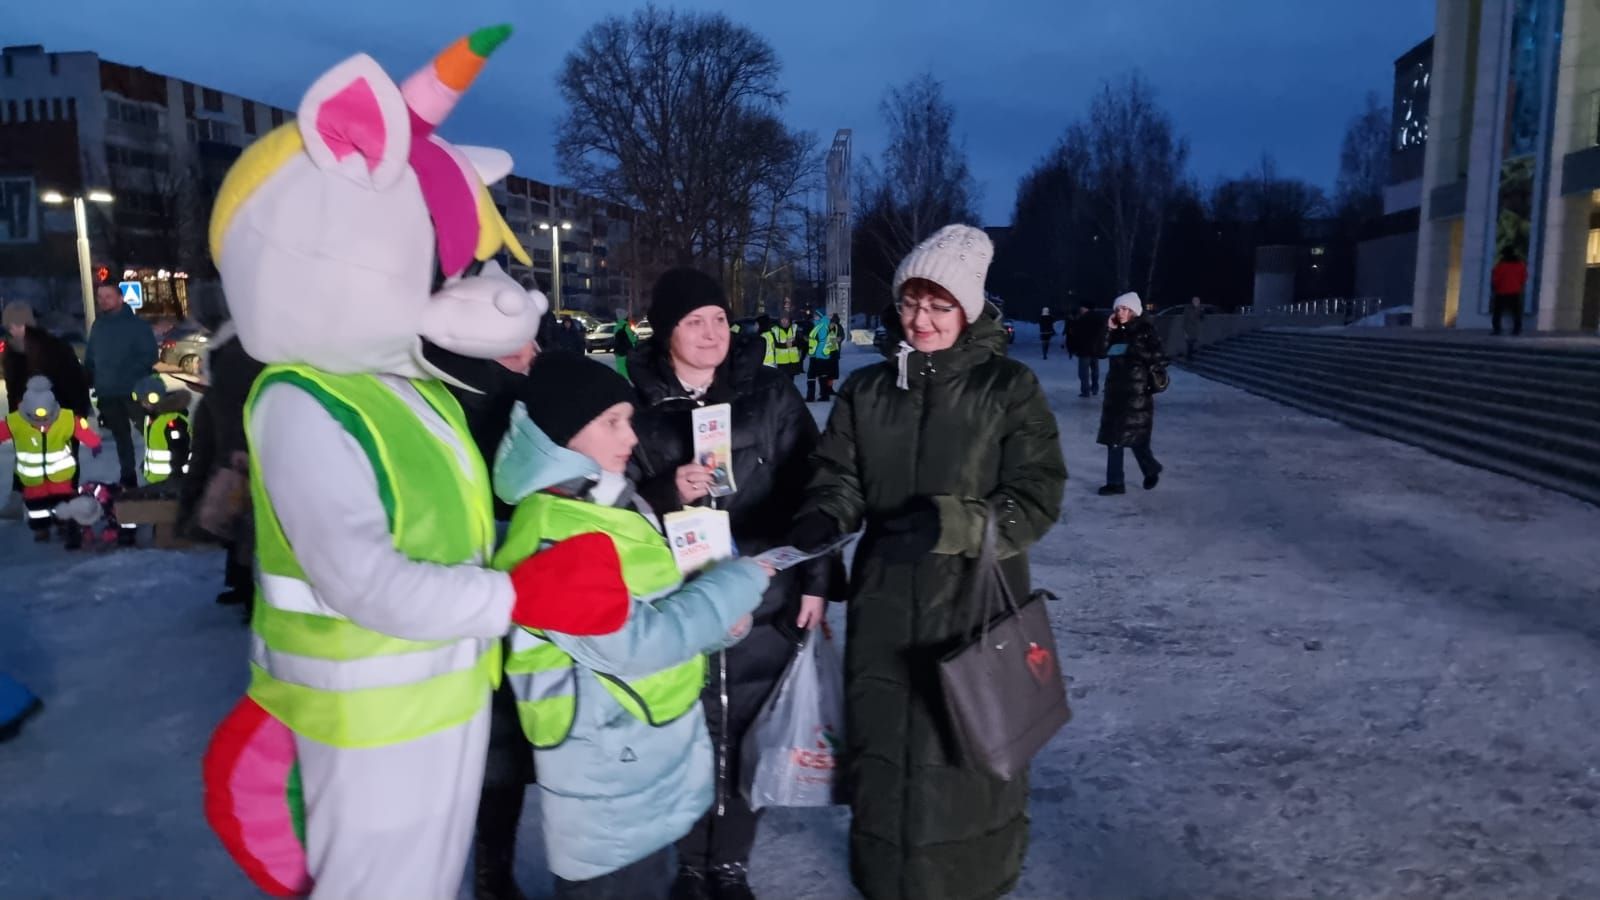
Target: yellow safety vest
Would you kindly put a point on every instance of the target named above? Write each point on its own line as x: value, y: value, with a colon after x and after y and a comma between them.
x: 543, y: 676
x: 44, y: 454
x: 781, y: 347
x: 157, y: 454
x: 313, y: 669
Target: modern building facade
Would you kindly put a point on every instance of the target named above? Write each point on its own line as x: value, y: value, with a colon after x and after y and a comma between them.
x: 74, y: 122
x: 1512, y: 162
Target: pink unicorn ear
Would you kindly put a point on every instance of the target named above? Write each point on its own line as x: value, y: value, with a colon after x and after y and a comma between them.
x: 355, y: 109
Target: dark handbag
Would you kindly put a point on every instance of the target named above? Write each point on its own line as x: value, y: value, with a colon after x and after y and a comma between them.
x: 1003, y: 688
x: 1159, y: 379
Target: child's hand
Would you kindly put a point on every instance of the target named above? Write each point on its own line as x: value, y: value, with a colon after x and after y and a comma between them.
x: 810, y: 612
x: 741, y: 627
x: 768, y: 568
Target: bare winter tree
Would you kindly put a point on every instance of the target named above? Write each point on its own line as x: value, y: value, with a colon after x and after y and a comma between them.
x: 675, y: 115
x: 1133, y: 164
x: 924, y: 181
x: 1364, y: 161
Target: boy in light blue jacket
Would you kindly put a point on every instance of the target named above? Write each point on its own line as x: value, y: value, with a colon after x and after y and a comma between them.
x: 620, y: 740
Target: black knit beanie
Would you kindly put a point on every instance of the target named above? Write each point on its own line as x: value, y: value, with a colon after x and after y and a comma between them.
x: 564, y: 392
x: 679, y: 292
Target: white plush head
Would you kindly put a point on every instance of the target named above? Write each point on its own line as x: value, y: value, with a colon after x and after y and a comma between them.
x: 329, y: 230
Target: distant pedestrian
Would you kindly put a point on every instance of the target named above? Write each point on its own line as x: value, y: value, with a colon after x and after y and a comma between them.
x: 219, y: 445
x: 1083, y: 341
x: 826, y: 340
x: 623, y: 340
x: 1192, y: 315
x: 1047, y: 330
x: 1128, y: 417
x: 1508, y: 279
x: 121, y: 351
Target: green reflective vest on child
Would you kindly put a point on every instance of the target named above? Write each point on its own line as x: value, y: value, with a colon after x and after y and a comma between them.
x: 620, y: 740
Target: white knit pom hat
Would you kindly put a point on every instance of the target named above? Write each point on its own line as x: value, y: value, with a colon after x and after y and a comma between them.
x: 955, y: 258
x: 1131, y: 301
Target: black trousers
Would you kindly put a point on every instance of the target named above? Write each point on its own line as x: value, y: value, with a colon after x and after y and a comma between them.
x: 648, y: 879
x: 1508, y: 303
x: 117, y: 414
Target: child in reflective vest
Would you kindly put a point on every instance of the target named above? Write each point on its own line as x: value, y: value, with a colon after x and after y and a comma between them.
x: 620, y: 741
x: 47, y: 438
x: 166, y: 429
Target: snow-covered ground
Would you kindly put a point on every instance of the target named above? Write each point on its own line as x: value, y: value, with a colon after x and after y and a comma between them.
x: 1312, y: 663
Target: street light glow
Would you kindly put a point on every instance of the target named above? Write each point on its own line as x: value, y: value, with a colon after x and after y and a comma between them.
x: 100, y: 196
x: 52, y: 197
x: 566, y: 226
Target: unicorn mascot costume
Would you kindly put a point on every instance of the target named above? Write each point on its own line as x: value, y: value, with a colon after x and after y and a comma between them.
x: 344, y: 239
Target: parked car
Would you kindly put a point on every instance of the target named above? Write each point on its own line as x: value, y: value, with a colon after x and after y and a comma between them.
x: 184, y: 346
x: 747, y: 326
x: 600, y: 338
x: 584, y: 319
x: 644, y: 329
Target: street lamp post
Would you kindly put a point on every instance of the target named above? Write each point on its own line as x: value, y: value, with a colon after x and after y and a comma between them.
x: 555, y: 261
x: 81, y: 218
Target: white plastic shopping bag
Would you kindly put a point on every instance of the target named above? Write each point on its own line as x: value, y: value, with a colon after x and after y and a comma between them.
x: 791, y: 755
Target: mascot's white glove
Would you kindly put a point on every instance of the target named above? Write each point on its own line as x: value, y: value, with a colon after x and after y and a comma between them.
x: 484, y: 316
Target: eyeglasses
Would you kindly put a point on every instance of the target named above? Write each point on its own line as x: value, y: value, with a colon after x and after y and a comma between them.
x: 910, y: 310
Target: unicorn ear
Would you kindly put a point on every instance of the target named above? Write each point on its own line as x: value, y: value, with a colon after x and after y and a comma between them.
x: 355, y: 109
x: 491, y: 164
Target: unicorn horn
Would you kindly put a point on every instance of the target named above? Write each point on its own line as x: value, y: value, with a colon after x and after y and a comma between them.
x: 432, y: 91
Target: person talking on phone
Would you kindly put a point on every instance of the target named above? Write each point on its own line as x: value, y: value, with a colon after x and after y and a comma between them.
x: 1128, y: 417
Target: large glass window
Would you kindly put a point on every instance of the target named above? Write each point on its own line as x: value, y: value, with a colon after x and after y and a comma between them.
x: 1535, y: 36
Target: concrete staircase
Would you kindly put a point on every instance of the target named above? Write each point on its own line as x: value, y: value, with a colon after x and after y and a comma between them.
x: 1525, y: 410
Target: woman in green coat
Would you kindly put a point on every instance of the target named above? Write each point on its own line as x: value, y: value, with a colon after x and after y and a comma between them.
x: 916, y: 449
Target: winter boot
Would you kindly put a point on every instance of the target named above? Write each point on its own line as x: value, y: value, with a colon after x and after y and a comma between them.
x: 731, y: 881
x: 1112, y: 490
x: 692, y: 884
x: 1150, y: 481
x: 72, y: 537
x: 41, y: 535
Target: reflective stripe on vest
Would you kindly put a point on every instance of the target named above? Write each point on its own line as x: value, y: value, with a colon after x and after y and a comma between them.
x: 43, y: 454
x: 321, y: 674
x: 157, y: 456
x: 542, y: 675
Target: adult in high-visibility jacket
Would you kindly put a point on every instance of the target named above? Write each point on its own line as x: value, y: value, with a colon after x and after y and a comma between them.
x: 825, y: 341
x: 46, y: 438
x: 166, y: 429
x: 783, y: 347
x: 623, y: 755
x: 378, y: 620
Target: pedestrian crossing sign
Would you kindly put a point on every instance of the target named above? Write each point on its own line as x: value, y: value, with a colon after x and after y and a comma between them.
x: 132, y: 293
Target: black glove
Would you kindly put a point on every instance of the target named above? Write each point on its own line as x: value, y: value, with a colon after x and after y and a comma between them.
x: 812, y: 531
x: 911, y: 533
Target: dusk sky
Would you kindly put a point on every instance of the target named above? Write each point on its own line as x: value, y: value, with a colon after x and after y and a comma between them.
x: 1242, y: 77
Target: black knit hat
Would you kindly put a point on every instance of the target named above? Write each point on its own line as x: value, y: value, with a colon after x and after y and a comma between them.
x: 564, y: 392
x: 679, y: 292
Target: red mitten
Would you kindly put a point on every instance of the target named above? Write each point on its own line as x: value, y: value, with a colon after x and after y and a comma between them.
x: 574, y: 587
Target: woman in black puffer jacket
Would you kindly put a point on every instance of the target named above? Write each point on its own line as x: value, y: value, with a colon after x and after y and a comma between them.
x: 694, y: 360
x: 1131, y: 344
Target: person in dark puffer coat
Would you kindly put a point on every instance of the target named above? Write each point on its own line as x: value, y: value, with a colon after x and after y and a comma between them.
x: 916, y: 450
x: 683, y: 367
x: 1128, y: 417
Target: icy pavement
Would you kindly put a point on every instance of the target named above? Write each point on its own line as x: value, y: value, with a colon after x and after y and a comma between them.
x: 1311, y: 663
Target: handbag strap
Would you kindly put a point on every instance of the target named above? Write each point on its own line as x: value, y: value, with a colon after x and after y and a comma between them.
x: 986, y: 576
